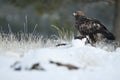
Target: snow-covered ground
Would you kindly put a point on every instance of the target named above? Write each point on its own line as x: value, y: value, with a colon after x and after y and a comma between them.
x: 92, y: 63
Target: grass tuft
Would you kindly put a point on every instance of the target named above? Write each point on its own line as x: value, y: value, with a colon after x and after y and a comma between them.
x: 64, y: 33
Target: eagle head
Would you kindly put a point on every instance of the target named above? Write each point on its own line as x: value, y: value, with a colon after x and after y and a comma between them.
x: 78, y: 13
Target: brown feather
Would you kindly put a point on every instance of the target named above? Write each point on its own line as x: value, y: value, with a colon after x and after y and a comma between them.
x: 91, y: 28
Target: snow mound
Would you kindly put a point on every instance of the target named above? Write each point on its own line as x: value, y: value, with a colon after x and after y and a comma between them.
x: 75, y: 61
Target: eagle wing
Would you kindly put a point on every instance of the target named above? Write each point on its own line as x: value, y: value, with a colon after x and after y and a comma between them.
x: 100, y: 28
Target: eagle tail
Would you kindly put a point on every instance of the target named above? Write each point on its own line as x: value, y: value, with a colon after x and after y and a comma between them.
x: 108, y: 35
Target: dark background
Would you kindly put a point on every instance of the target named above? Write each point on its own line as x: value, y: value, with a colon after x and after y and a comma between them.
x: 22, y: 15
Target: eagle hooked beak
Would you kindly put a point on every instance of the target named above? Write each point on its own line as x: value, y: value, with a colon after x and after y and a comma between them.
x: 74, y: 14
x: 78, y: 13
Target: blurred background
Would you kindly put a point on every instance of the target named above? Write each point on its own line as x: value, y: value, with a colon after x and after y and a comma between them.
x: 39, y: 16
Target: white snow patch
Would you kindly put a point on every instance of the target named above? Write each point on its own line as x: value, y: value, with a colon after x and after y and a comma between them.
x: 78, y: 43
x: 94, y: 63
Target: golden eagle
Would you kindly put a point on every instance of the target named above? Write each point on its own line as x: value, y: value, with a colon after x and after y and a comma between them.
x: 92, y: 28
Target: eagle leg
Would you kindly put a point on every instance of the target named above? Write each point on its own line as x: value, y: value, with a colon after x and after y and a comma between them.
x: 87, y: 41
x: 92, y: 39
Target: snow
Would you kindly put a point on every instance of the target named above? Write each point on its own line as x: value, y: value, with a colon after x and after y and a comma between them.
x: 94, y: 63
